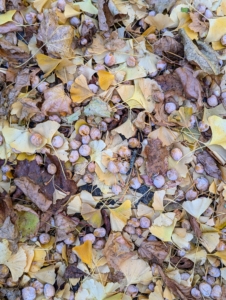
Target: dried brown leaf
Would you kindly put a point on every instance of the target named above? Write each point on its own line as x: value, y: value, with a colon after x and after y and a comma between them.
x: 2, y: 5
x: 191, y: 85
x: 157, y: 157
x: 29, y: 108
x: 182, y: 263
x: 183, y: 292
x: 13, y: 26
x: 168, y: 46
x: 195, y: 226
x: 64, y: 225
x: 73, y: 272
x: 31, y: 190
x: 156, y: 251
x: 161, y: 5
x: 8, y: 230
x: 209, y: 164
x: 221, y: 212
x: 197, y: 25
x: 22, y: 79
x: 11, y: 53
x: 117, y: 249
x: 56, y: 101
x: 105, y: 17
x: 57, y: 38
x: 170, y: 83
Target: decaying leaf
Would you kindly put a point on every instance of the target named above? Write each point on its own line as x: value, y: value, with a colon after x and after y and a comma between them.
x: 197, y: 25
x: 156, y: 158
x: 97, y: 107
x: 209, y: 164
x: 156, y: 251
x: 203, y: 55
x: 168, y: 46
x: 31, y: 190
x: 64, y: 225
x: 56, y: 101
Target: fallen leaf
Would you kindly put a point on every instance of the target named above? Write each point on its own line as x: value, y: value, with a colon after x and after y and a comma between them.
x: 57, y: 38
x: 202, y: 55
x: 195, y: 226
x: 157, y: 158
x: 64, y: 225
x: 7, y: 17
x: 15, y: 262
x: 84, y: 252
x: 216, y: 29
x: 105, y: 79
x: 183, y: 292
x: 91, y: 215
x: 197, y: 206
x: 168, y: 46
x: 161, y: 5
x: 12, y: 26
x: 31, y: 190
x: 164, y: 233
x: 160, y: 21
x: 80, y: 90
x: 73, y: 272
x: 218, y: 127
x: 136, y: 271
x: 56, y: 101
x: 156, y: 251
x: 197, y: 25
x: 45, y: 275
x: 182, y: 242
x: 120, y: 215
x: 158, y: 200
x: 209, y: 164
x: 182, y: 263
x: 221, y: 255
x: 127, y: 129
x: 8, y: 230
x: 97, y: 107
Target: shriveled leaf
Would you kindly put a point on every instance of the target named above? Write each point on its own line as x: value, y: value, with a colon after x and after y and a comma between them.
x: 209, y: 164
x: 156, y: 251
x: 204, y: 56
x: 31, y: 190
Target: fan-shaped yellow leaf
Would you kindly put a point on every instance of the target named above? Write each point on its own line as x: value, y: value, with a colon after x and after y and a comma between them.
x: 15, y: 262
x: 218, y: 127
x: 197, y: 207
x: 23, y: 156
x: 92, y: 215
x: 84, y: 252
x: 40, y: 4
x: 47, y: 63
x: 7, y: 17
x: 221, y: 255
x: 69, y: 12
x: 216, y: 30
x: 80, y: 90
x: 164, y: 233
x: 105, y: 79
x: 120, y: 215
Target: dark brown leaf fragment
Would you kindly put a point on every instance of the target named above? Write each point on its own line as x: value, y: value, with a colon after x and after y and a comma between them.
x: 195, y: 226
x: 179, y: 290
x: 209, y: 164
x: 73, y: 272
x: 157, y: 158
x: 182, y: 263
x: 168, y: 46
x: 156, y: 251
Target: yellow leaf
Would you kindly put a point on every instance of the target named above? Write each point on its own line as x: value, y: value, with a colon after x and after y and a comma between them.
x: 87, y: 6
x: 127, y: 129
x: 40, y: 4
x: 217, y: 28
x: 91, y: 215
x: 182, y: 242
x: 45, y: 275
x: 221, y: 255
x: 106, y: 177
x: 218, y: 127
x: 217, y: 46
x: 210, y: 240
x: 69, y: 12
x: 38, y: 260
x: 120, y: 215
x: 47, y: 63
x: 164, y: 233
x: 197, y: 255
x: 7, y: 17
x: 84, y: 252
x: 197, y: 207
x: 105, y: 79
x: 80, y: 90
x: 160, y: 21
x: 15, y: 262
x: 74, y: 206
x: 23, y: 156
x: 193, y: 35
x: 136, y: 271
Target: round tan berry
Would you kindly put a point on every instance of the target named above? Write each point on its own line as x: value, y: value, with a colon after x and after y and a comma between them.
x: 36, y: 139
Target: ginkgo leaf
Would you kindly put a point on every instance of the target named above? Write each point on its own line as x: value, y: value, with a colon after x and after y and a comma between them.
x: 157, y: 294
x: 92, y: 289
x: 182, y: 242
x: 136, y: 271
x: 221, y: 255
x: 47, y: 63
x: 84, y: 252
x: 80, y: 90
x: 217, y: 28
x: 45, y: 275
x: 7, y: 17
x: 164, y: 219
x: 127, y: 129
x: 105, y: 79
x: 91, y: 215
x: 87, y: 6
x: 160, y: 21
x: 197, y: 255
x: 164, y: 233
x: 75, y: 205
x: 40, y: 4
x: 120, y: 215
x: 197, y: 207
x: 15, y: 262
x: 210, y: 240
x: 57, y: 195
x: 70, y: 12
x: 218, y: 127
x: 158, y: 200
x: 23, y: 156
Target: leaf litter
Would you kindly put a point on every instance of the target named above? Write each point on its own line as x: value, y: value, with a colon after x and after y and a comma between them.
x: 112, y: 150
